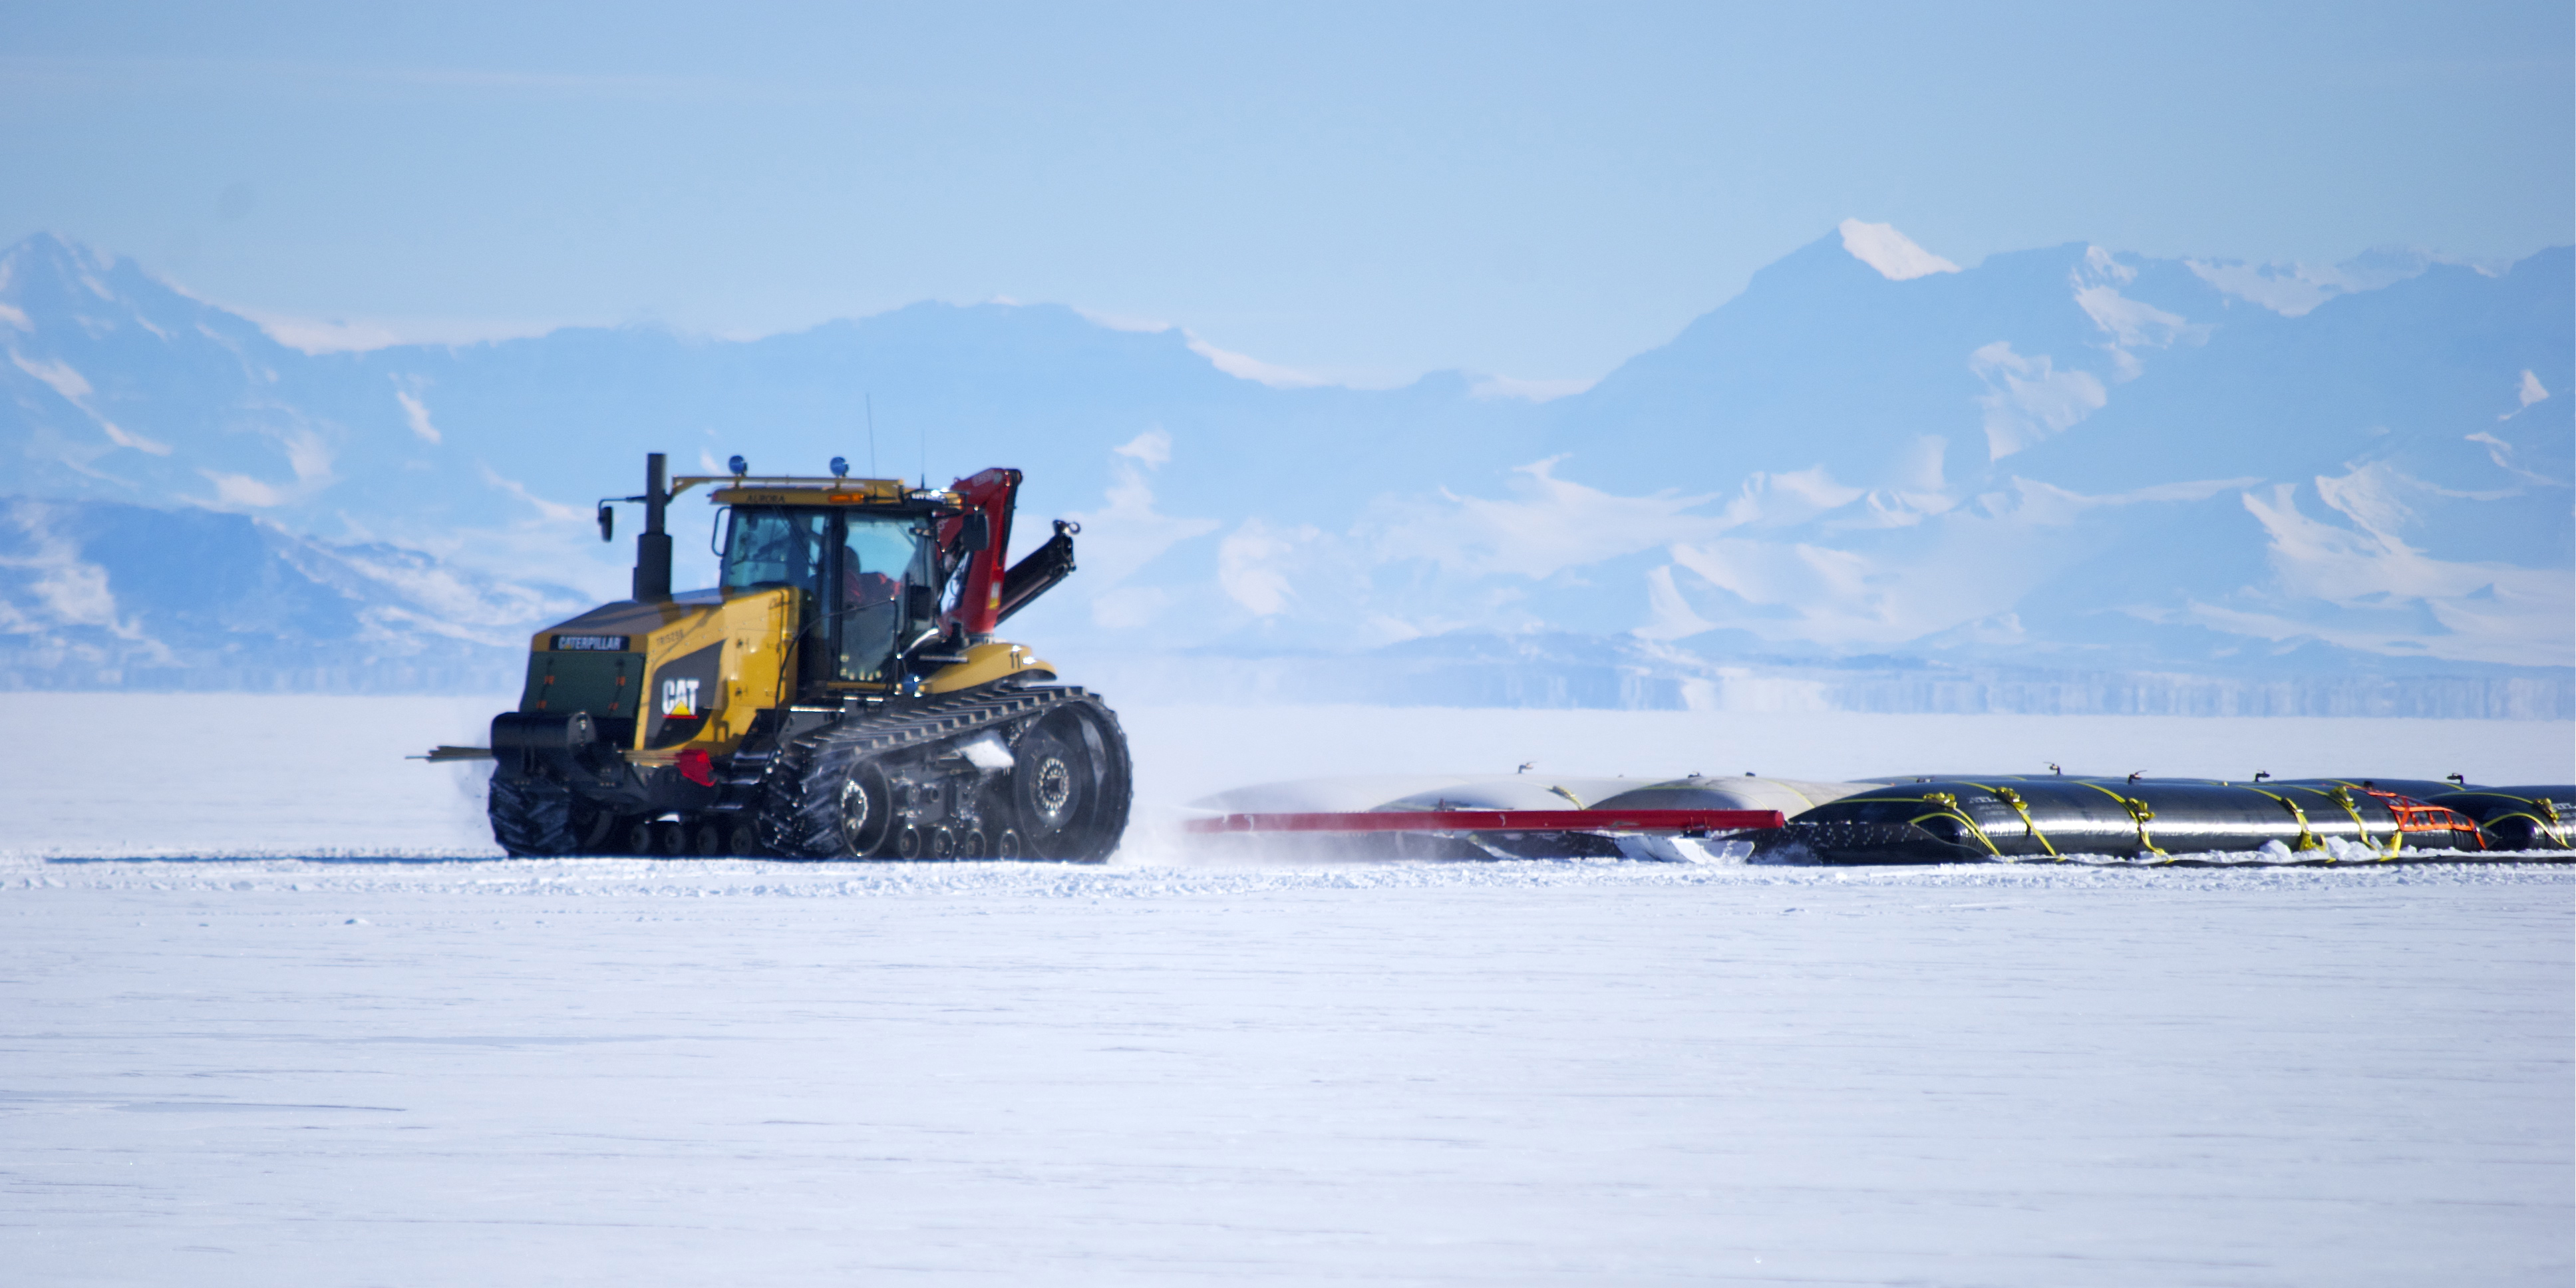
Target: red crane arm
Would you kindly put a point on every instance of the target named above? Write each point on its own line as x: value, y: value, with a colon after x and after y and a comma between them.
x: 991, y: 493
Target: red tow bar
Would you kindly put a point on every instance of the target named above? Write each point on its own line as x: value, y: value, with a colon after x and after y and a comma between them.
x: 1679, y: 821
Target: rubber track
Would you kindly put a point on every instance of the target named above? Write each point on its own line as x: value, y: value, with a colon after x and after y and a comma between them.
x: 530, y: 816
x: 792, y: 824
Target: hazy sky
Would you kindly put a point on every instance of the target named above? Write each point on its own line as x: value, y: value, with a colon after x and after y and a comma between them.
x: 1363, y: 192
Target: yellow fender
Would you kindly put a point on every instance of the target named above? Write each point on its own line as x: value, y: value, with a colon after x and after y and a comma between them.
x: 986, y: 663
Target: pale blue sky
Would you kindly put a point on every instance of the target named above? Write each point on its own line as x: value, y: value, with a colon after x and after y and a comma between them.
x: 1363, y: 192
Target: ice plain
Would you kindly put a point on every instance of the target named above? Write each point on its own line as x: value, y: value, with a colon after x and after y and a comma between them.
x: 269, y: 1014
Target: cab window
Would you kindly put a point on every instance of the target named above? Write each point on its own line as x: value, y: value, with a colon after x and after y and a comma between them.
x: 769, y: 547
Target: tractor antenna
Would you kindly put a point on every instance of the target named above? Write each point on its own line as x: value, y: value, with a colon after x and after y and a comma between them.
x: 872, y: 433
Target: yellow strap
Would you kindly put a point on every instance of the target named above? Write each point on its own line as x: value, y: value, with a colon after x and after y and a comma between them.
x: 2344, y: 798
x: 2548, y: 819
x: 2013, y: 798
x: 2547, y: 824
x: 2139, y: 813
x: 2548, y: 811
x: 2138, y: 810
x: 2307, y: 837
x: 1950, y: 809
x: 2396, y: 831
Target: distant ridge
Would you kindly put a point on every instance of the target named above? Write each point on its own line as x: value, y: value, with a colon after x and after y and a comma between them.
x: 2083, y: 468
x: 105, y: 595
x: 1559, y: 671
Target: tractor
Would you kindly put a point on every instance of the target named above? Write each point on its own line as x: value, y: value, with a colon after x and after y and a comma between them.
x: 838, y: 694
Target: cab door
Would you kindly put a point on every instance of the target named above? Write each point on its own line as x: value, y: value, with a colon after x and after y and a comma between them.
x: 775, y: 546
x: 877, y: 570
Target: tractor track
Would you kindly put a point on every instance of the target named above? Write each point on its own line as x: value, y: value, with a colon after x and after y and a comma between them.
x: 793, y: 789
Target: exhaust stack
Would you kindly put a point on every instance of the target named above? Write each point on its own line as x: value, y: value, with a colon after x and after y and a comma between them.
x: 653, y: 545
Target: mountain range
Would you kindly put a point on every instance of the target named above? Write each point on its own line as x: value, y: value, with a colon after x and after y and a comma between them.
x: 2060, y: 469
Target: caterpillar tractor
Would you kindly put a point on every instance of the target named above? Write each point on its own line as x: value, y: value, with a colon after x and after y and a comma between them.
x: 839, y: 694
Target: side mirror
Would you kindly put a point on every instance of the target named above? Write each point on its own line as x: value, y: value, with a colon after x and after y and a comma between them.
x: 974, y: 532
x: 607, y: 521
x: 921, y: 603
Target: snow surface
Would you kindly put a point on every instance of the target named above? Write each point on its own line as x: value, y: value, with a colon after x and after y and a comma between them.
x: 376, y: 1057
x: 188, y: 774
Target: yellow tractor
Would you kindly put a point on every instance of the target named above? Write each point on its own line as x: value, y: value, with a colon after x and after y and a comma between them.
x: 839, y: 694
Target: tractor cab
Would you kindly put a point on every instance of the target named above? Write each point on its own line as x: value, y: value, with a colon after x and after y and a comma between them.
x: 866, y: 581
x: 890, y: 587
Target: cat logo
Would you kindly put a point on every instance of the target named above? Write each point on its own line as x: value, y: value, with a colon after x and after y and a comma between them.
x: 679, y: 699
x: 685, y: 691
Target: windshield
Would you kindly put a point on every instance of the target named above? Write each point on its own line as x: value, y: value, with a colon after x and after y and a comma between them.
x: 775, y: 548
x: 866, y: 561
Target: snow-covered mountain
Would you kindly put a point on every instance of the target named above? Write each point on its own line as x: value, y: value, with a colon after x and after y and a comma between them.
x: 2086, y: 455
x: 102, y: 594
x: 2059, y: 462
